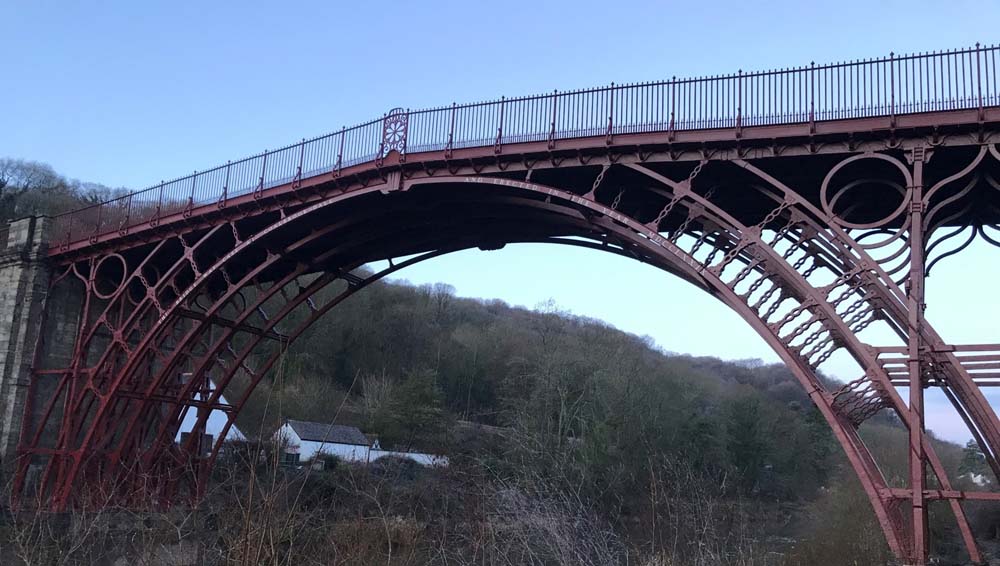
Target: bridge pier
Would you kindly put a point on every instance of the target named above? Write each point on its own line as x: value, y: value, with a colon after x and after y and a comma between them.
x: 24, y: 285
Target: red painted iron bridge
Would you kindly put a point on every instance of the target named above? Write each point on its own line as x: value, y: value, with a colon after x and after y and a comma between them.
x: 813, y: 201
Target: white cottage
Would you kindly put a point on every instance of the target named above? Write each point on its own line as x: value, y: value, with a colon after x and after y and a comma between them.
x: 304, y: 440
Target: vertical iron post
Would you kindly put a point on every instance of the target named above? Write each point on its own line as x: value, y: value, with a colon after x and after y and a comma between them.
x: 892, y: 89
x: 159, y: 207
x: 451, y: 133
x: 406, y: 136
x: 340, y: 151
x: 263, y: 173
x: 69, y: 230
x: 915, y: 298
x: 100, y: 220
x: 739, y: 103
x: 297, y: 182
x: 611, y: 112
x: 381, y: 146
x: 552, y: 123
x: 190, y: 204
x: 225, y: 187
x: 498, y: 143
x: 124, y: 223
x: 812, y: 97
x: 673, y: 107
x: 979, y: 82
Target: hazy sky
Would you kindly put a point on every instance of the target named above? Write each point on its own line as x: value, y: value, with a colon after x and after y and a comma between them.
x: 127, y: 93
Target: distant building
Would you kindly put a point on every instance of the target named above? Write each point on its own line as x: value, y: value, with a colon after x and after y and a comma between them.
x: 305, y: 440
x: 213, y: 425
x: 422, y: 458
x: 979, y: 479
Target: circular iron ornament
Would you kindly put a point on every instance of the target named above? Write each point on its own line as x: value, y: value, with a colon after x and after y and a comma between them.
x: 841, y: 217
x: 828, y: 204
x: 394, y: 128
x: 136, y: 292
x: 106, y: 271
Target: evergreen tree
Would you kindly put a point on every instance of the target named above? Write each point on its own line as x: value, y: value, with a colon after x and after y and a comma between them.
x: 973, y: 460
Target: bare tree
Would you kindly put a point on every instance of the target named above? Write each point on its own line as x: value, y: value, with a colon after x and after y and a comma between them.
x: 18, y: 178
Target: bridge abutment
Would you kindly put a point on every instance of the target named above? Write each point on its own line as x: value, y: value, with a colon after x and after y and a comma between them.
x: 24, y: 284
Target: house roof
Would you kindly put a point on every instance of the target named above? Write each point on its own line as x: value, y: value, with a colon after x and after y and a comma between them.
x: 329, y: 433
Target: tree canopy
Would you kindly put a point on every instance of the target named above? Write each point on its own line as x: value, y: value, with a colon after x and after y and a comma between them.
x: 30, y: 188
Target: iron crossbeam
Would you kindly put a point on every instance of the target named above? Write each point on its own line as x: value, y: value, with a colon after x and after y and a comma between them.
x: 947, y: 494
x: 225, y: 322
x: 196, y: 403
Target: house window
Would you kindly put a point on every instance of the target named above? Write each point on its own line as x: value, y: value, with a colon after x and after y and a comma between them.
x: 289, y: 459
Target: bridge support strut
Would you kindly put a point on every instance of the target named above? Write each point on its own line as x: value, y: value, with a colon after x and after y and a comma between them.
x: 915, y: 297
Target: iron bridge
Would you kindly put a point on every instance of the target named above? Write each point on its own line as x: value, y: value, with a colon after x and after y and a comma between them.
x: 813, y: 201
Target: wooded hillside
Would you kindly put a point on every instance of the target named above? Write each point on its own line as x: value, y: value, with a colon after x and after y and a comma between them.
x: 627, y: 428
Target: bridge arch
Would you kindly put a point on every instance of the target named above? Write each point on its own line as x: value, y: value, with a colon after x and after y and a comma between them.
x: 766, y: 272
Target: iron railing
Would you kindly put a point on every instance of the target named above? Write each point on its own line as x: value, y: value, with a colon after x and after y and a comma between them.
x: 887, y: 86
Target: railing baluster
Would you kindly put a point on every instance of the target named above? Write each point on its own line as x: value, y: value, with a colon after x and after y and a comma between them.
x: 100, y: 218
x: 259, y: 191
x: 340, y: 152
x: 979, y: 85
x: 124, y: 224
x: 69, y: 231
x: 673, y: 106
x: 451, y: 132
x: 406, y: 140
x: 812, y: 96
x: 995, y: 98
x: 159, y: 206
x: 965, y: 86
x: 225, y: 188
x: 498, y: 144
x: 611, y: 113
x: 297, y: 180
x: 739, y: 102
x: 552, y: 125
x: 190, y: 203
x: 892, y: 90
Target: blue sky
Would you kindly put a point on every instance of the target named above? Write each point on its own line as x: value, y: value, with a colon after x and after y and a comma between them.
x: 128, y: 93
